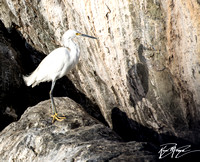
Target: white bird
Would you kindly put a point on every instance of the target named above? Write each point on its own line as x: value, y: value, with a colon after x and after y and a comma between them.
x: 57, y: 64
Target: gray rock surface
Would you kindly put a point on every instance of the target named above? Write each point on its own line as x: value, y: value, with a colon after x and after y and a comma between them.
x: 145, y: 61
x: 78, y: 138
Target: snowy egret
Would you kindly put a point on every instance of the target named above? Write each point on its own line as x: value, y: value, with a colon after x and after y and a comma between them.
x: 57, y: 64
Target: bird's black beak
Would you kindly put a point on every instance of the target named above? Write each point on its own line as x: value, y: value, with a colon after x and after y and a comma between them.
x: 84, y: 35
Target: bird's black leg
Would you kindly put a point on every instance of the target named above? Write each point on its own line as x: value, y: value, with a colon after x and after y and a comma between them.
x: 51, y: 97
x: 55, y: 115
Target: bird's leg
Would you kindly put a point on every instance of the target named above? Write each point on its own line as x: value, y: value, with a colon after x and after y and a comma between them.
x: 55, y: 115
x: 51, y: 97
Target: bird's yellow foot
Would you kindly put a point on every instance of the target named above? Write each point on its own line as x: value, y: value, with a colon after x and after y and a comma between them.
x: 58, y: 118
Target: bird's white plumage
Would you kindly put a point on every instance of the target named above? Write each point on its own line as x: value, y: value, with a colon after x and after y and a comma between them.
x: 54, y: 66
x: 58, y: 63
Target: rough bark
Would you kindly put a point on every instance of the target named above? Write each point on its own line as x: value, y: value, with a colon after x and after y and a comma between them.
x: 145, y: 62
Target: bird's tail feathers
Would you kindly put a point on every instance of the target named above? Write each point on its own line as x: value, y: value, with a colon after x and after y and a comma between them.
x: 29, y: 80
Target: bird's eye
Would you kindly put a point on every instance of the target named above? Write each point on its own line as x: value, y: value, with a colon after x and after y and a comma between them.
x: 78, y: 33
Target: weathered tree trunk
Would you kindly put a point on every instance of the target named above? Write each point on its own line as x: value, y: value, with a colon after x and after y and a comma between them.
x: 144, y: 69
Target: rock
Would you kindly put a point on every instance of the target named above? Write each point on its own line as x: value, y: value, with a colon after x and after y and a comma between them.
x: 10, y: 80
x: 145, y: 61
x: 78, y: 138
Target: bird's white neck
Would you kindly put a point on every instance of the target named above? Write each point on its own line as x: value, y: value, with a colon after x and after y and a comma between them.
x: 74, y: 48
